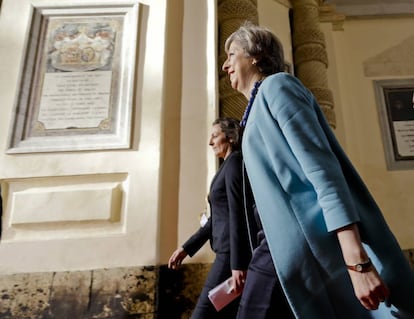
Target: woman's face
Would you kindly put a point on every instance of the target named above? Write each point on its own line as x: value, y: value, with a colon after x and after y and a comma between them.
x: 240, y: 68
x: 219, y: 142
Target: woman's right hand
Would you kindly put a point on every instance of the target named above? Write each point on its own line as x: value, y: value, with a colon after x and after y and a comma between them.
x: 238, y: 279
x: 177, y: 258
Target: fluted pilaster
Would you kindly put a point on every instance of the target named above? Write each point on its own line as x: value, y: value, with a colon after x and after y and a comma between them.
x: 310, y: 56
x: 231, y: 14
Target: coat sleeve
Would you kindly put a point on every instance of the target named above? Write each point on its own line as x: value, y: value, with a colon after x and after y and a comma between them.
x: 240, y: 252
x: 292, y: 107
x: 198, y: 239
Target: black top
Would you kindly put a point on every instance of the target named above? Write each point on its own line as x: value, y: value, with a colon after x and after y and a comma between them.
x: 227, y: 228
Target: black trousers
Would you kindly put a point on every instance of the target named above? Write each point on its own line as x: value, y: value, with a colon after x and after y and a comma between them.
x: 204, y: 309
x: 262, y: 296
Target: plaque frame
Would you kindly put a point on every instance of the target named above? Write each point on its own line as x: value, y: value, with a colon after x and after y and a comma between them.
x: 395, y: 103
x: 77, y: 79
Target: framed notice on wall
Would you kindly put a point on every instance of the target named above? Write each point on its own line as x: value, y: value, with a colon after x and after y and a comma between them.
x: 77, y: 79
x: 395, y: 99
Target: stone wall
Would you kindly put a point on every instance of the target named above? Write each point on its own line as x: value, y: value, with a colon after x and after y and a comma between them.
x: 108, y: 293
x: 153, y: 292
x: 133, y: 293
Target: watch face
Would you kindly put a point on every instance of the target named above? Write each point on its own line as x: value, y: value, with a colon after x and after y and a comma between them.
x: 365, y: 266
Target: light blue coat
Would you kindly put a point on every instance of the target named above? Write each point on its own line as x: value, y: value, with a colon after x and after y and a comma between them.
x: 305, y: 188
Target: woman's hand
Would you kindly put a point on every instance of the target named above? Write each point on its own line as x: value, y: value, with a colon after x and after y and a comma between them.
x: 177, y: 258
x: 368, y: 285
x: 239, y: 277
x: 369, y: 288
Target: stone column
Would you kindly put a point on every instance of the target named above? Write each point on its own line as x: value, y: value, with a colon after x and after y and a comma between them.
x: 310, y: 56
x: 231, y: 14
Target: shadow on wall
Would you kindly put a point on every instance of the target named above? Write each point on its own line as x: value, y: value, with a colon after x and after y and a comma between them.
x: 178, y: 290
x: 1, y: 209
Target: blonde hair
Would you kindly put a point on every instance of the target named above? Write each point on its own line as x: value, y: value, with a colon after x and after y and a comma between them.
x: 260, y: 43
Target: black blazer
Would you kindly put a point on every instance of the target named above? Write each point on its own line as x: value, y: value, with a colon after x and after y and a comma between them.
x: 227, y: 228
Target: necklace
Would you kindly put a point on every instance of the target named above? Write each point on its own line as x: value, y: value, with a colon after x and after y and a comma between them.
x: 249, y: 105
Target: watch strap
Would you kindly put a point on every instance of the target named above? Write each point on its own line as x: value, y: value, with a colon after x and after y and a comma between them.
x: 361, y: 267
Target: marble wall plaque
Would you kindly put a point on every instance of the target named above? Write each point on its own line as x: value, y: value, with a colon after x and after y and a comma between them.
x: 77, y: 79
x: 395, y: 101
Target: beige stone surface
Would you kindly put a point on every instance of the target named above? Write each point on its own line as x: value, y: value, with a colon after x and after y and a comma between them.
x: 394, y: 61
x: 102, y: 293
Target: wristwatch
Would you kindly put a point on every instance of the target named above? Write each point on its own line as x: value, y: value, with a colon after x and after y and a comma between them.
x: 361, y: 267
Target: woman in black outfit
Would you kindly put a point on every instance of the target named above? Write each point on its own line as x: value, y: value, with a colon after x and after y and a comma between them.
x: 226, y: 228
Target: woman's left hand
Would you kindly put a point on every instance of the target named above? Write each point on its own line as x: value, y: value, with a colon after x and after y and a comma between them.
x: 368, y: 285
x: 177, y: 258
x: 239, y: 277
x: 369, y: 288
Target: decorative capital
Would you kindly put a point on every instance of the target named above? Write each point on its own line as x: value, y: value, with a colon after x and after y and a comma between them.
x: 327, y: 13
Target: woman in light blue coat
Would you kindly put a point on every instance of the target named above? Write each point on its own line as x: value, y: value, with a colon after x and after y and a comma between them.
x: 334, y: 255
